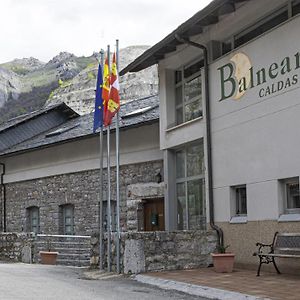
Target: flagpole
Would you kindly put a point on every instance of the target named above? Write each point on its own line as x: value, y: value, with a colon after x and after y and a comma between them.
x: 108, y: 187
x: 118, y: 170
x: 101, y: 184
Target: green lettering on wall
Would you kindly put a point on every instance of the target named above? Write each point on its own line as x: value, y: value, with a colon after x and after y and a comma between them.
x: 273, y: 70
x: 286, y: 66
x: 229, y: 81
x: 261, y: 76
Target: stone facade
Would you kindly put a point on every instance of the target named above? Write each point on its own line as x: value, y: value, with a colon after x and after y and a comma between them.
x: 17, y: 247
x: 79, y: 189
x: 136, y: 194
x: 156, y: 251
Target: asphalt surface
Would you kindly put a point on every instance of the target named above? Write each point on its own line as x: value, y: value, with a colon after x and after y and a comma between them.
x: 39, y: 282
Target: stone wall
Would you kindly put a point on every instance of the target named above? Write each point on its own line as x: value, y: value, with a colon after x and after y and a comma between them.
x: 80, y: 189
x: 156, y: 251
x: 136, y: 195
x: 17, y: 247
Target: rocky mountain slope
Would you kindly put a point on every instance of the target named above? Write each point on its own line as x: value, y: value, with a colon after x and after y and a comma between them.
x: 28, y: 84
x: 25, y: 84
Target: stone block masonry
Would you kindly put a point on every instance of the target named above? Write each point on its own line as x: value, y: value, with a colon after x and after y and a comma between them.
x: 17, y: 247
x: 160, y: 250
x: 79, y: 189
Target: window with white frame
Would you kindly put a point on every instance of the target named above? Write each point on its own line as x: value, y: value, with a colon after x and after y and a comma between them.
x: 239, y: 195
x: 190, y: 187
x: 188, y: 92
x: 66, y: 219
x: 33, y: 219
x: 291, y: 195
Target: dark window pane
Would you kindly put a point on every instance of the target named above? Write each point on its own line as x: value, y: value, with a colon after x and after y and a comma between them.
x: 226, y: 47
x: 192, y: 88
x: 181, y: 206
x: 180, y: 164
x: 196, y: 200
x: 192, y: 111
x: 178, y: 76
x: 195, y: 160
x: 196, y: 67
x: 241, y: 201
x: 296, y: 8
x: 293, y: 199
x: 178, y: 95
x: 270, y: 23
x: 179, y: 115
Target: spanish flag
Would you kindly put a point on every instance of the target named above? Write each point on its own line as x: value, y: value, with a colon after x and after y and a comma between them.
x: 113, y: 104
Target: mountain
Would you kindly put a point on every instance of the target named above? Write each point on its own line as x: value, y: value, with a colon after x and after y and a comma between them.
x: 25, y: 84
x: 28, y: 84
x: 79, y: 92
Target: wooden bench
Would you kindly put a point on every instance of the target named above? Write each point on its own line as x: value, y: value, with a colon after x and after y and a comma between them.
x: 284, y: 245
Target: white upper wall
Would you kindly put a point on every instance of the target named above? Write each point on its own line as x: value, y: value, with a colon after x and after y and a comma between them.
x: 255, y: 138
x: 136, y: 145
x: 226, y: 27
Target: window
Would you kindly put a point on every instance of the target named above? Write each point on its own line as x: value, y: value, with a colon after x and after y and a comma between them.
x: 33, y: 219
x: 190, y: 187
x: 66, y: 219
x: 240, y: 200
x: 259, y: 28
x: 291, y: 195
x: 295, y: 7
x: 188, y: 93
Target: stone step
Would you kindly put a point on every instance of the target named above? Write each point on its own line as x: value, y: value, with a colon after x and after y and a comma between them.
x: 64, y: 242
x: 83, y: 256
x: 72, y: 262
x: 72, y: 250
x: 67, y: 250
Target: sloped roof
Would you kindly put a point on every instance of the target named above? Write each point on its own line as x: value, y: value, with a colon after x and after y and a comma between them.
x: 131, y: 115
x: 193, y: 26
x: 27, y: 126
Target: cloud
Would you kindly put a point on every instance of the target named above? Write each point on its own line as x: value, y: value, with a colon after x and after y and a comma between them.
x: 44, y: 28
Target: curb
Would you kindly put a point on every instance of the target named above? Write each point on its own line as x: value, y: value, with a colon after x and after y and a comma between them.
x: 196, y: 290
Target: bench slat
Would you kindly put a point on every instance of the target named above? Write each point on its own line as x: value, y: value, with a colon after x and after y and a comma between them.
x: 281, y: 255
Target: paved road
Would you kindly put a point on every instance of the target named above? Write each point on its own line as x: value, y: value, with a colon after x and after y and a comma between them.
x: 40, y: 282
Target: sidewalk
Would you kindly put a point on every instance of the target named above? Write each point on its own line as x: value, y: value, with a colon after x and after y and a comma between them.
x: 239, y: 285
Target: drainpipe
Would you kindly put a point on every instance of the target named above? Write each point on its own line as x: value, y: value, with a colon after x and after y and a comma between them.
x: 4, y: 196
x: 208, y: 137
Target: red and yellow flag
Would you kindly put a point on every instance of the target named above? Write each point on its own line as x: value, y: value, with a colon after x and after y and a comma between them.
x: 105, y: 88
x: 113, y: 104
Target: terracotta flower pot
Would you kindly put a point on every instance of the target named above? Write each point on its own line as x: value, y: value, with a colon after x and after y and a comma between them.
x: 223, y: 262
x: 48, y: 257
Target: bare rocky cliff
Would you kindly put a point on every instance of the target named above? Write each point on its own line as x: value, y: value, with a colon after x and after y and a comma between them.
x: 28, y: 84
x: 79, y: 92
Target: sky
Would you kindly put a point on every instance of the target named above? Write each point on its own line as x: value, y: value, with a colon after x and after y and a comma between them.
x: 43, y: 28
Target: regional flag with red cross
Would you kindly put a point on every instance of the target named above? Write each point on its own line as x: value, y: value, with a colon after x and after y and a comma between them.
x: 113, y: 104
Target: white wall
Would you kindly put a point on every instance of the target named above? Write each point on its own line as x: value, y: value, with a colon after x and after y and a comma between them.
x: 256, y: 139
x: 136, y: 145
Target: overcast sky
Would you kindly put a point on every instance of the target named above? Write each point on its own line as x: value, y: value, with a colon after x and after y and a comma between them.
x: 43, y: 28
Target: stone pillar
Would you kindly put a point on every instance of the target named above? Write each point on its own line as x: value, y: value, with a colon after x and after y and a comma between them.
x: 136, y: 195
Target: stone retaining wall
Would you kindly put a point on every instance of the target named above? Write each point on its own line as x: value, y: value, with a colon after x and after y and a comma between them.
x: 156, y: 251
x: 17, y: 247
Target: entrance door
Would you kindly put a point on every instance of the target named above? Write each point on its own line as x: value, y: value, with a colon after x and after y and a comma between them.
x: 154, y: 219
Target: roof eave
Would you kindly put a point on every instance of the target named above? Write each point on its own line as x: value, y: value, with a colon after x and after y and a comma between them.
x: 207, y: 16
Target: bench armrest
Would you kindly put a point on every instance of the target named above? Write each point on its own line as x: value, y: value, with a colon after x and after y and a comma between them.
x: 261, y: 249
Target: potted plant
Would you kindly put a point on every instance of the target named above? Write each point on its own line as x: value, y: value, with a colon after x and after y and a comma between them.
x: 222, y: 260
x: 48, y: 257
